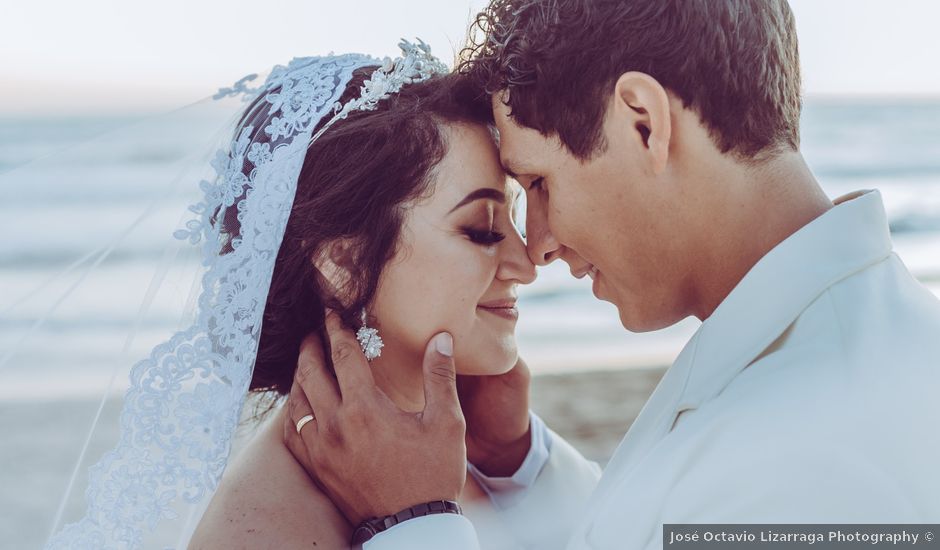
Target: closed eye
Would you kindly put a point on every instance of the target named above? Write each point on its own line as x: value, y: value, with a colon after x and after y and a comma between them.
x: 484, y: 237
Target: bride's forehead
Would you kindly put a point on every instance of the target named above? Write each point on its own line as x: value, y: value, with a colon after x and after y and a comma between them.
x: 467, y: 184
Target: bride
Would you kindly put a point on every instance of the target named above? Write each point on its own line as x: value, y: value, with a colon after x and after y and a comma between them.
x: 368, y: 188
x: 350, y: 191
x: 402, y: 222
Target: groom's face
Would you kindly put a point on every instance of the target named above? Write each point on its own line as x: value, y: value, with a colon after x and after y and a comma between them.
x: 607, y: 218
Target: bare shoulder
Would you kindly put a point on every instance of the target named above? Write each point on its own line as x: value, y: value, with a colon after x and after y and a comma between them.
x: 267, y: 500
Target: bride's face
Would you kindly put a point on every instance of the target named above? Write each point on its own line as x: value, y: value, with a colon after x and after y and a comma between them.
x: 459, y: 261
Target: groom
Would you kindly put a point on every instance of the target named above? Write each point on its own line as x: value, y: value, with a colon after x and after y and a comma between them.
x: 658, y: 144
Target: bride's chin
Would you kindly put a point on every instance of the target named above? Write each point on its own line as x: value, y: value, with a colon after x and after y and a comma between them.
x: 492, y: 364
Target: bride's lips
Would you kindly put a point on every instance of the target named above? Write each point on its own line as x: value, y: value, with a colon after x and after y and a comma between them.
x: 505, y: 308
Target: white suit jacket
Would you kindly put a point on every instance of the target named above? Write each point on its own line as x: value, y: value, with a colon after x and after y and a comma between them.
x: 810, y: 395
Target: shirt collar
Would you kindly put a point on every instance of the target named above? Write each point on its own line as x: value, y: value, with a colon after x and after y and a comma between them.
x: 845, y: 239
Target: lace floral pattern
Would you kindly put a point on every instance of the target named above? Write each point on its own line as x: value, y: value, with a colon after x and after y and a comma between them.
x: 182, y: 407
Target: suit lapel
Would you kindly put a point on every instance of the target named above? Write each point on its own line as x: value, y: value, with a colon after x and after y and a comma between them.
x: 654, y: 421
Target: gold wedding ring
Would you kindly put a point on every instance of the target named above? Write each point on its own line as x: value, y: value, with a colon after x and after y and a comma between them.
x: 302, y: 421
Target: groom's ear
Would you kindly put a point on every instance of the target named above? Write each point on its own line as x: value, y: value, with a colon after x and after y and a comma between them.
x: 646, y: 104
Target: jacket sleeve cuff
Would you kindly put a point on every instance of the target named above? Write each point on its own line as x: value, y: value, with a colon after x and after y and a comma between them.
x: 505, y: 491
x: 431, y: 532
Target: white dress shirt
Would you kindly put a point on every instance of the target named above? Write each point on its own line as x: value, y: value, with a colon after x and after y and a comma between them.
x: 810, y: 395
x: 505, y: 491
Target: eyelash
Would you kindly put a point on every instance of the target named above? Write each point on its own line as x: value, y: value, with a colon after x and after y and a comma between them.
x: 483, y: 237
x: 536, y: 184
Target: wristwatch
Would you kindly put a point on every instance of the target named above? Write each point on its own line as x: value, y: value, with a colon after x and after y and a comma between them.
x: 371, y: 527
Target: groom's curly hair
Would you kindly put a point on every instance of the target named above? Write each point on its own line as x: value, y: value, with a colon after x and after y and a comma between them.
x: 735, y: 62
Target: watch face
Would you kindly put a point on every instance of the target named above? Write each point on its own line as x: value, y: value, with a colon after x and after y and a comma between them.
x: 362, y: 533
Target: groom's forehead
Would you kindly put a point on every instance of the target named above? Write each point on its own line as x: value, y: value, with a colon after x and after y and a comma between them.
x: 510, y: 163
x: 515, y: 142
x: 515, y: 158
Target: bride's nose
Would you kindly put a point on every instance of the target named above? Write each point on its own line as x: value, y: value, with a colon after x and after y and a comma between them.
x: 514, y: 264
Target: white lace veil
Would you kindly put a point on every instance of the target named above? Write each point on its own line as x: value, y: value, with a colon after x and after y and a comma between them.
x: 181, y: 405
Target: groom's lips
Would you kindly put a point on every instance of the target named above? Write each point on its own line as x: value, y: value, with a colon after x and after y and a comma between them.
x: 595, y: 285
x: 590, y: 271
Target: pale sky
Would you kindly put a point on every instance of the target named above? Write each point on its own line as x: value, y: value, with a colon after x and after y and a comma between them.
x: 99, y: 56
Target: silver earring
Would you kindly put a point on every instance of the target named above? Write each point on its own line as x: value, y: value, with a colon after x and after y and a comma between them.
x: 369, y: 339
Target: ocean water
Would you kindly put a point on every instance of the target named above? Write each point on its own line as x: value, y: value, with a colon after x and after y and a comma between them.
x: 69, y: 184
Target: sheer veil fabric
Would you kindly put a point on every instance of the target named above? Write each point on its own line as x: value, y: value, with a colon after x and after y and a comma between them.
x: 190, y: 306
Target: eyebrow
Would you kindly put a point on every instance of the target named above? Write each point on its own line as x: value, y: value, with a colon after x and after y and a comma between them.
x: 484, y: 193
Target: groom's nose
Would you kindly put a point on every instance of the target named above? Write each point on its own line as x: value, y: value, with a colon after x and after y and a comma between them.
x: 541, y: 245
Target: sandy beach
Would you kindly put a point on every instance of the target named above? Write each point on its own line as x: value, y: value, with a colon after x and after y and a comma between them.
x: 592, y: 410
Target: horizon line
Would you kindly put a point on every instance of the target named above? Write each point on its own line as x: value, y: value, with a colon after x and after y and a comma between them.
x: 156, y: 108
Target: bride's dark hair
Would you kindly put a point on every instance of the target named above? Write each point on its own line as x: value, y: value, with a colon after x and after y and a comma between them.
x: 355, y: 180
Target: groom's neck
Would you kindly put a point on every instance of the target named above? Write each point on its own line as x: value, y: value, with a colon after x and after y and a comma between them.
x: 750, y: 210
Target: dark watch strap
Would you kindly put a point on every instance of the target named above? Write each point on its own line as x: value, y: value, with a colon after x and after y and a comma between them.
x: 373, y: 526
